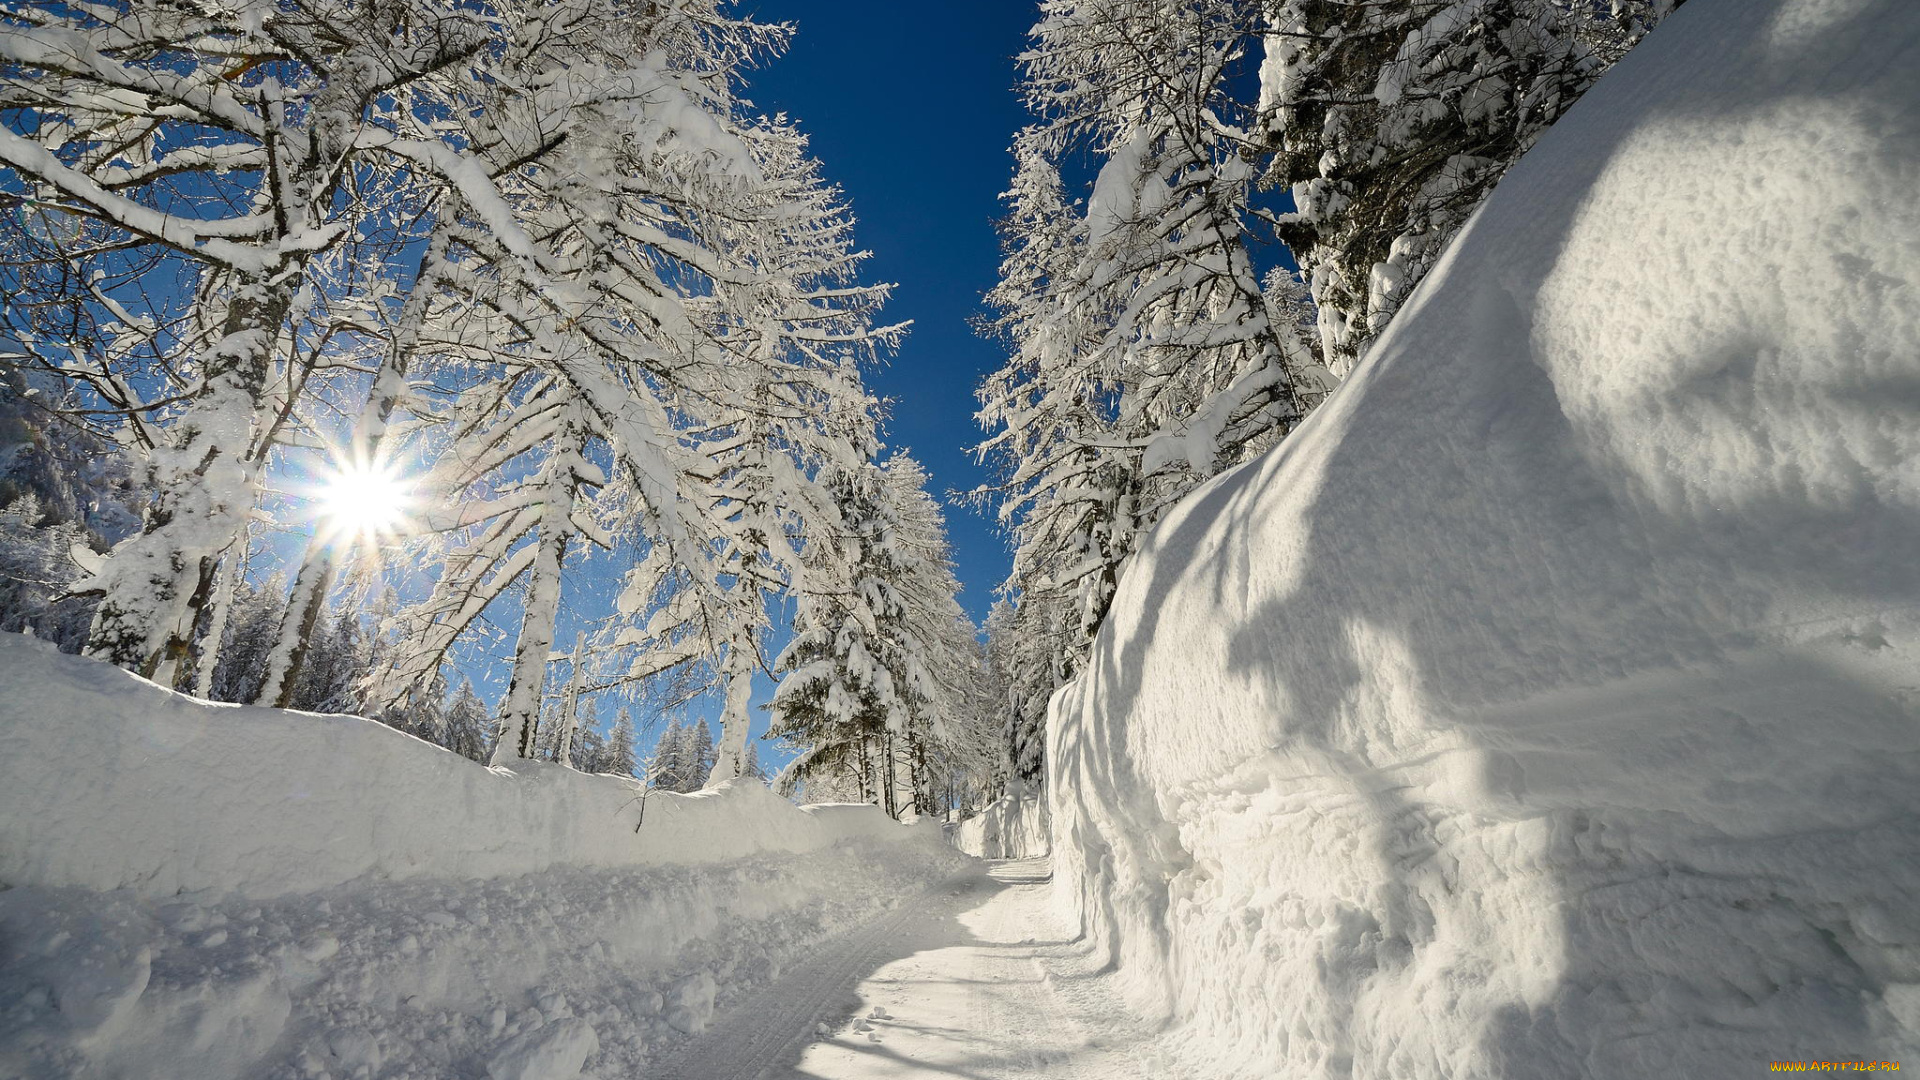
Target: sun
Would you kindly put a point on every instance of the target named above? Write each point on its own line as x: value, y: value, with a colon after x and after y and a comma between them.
x: 364, y: 502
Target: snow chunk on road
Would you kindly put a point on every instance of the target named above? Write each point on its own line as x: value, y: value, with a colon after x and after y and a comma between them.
x: 690, y: 1006
x: 1546, y: 705
x: 553, y: 1052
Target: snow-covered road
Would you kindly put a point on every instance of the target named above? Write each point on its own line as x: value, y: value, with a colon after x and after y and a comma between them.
x: 954, y: 983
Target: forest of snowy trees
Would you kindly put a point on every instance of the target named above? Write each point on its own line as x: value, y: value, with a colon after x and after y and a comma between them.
x: 1215, y: 206
x: 349, y: 344
x: 536, y: 279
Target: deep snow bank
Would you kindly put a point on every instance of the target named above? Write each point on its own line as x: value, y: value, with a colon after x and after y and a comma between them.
x: 108, y: 782
x: 1014, y: 826
x: 1547, y: 705
x: 200, y: 891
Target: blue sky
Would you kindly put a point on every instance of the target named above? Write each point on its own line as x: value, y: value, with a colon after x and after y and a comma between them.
x: 911, y: 108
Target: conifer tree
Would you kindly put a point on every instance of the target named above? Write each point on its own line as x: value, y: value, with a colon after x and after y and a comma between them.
x: 1143, y: 354
x: 468, y: 723
x: 1146, y: 348
x: 881, y: 671
x: 619, y: 757
x: 667, y: 769
x: 242, y: 660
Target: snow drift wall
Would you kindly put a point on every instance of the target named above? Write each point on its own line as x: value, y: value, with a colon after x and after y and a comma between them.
x: 204, y: 892
x: 108, y: 782
x: 1549, y: 705
x: 1014, y: 826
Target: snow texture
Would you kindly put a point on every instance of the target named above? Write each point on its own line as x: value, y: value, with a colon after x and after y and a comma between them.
x: 112, y: 784
x: 1547, y: 705
x: 972, y: 980
x: 190, y: 890
x: 1014, y: 826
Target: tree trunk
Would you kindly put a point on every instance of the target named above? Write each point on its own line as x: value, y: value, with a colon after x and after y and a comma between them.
x: 569, y: 715
x: 222, y: 607
x: 520, y: 711
x: 304, y: 608
x: 730, y: 757
x: 889, y: 790
x: 206, y: 484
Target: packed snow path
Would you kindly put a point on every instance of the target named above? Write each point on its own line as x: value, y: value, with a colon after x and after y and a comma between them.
x: 962, y: 981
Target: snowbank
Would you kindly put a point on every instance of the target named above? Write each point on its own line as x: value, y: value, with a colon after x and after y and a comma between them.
x: 109, y: 783
x: 1547, y: 706
x: 200, y: 891
x: 1014, y: 826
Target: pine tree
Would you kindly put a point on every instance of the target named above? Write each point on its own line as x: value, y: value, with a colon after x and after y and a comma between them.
x: 242, y: 660
x: 589, y: 751
x: 881, y: 672
x: 337, y: 664
x: 669, y: 769
x: 697, y: 751
x: 468, y: 723
x: 619, y: 758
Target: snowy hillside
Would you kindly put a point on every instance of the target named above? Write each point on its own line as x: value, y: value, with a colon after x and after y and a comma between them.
x: 198, y: 891
x: 1549, y: 704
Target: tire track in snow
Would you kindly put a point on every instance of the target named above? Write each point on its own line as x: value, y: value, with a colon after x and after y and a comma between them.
x: 963, y: 986
x: 758, y: 1032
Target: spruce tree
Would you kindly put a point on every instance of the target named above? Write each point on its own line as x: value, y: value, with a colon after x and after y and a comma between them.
x: 670, y: 768
x: 468, y: 724
x: 619, y: 757
x: 257, y: 612
x: 698, y: 755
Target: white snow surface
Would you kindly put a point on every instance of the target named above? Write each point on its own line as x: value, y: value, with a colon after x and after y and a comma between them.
x: 191, y: 891
x: 976, y: 979
x: 1549, y: 704
x: 114, y: 784
x: 1014, y: 826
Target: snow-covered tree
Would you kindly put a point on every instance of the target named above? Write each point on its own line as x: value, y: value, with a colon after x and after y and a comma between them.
x: 1390, y: 123
x: 36, y: 567
x: 331, y: 680
x: 468, y: 723
x: 845, y: 681
x: 683, y: 756
x: 603, y: 217
x: 1146, y: 349
x: 697, y: 755
x: 669, y: 369
x: 257, y: 611
x: 64, y: 498
x: 589, y: 748
x: 881, y: 670
x: 618, y: 757
x: 666, y: 768
x: 215, y: 149
x: 1144, y: 353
